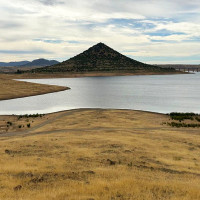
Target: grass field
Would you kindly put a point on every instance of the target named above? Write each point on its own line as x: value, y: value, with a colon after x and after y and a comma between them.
x: 11, y: 89
x: 99, y: 154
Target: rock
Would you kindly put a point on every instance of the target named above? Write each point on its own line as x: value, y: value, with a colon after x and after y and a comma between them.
x: 24, y: 175
x: 111, y: 162
x: 88, y: 172
x: 7, y: 151
x: 37, y: 180
x: 17, y: 188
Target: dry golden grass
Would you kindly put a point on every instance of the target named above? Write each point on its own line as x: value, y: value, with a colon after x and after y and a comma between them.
x: 15, y: 89
x: 101, y: 154
x: 14, y: 123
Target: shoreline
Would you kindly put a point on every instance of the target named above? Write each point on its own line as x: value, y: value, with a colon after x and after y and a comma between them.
x: 60, y: 90
x: 83, y: 74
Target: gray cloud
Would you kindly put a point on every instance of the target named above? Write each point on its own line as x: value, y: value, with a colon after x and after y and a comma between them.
x: 51, y: 2
x: 25, y: 52
x: 134, y: 26
x: 9, y: 25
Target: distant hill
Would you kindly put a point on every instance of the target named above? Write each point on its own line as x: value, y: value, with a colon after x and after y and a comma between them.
x: 23, y: 66
x: 101, y: 58
x: 40, y: 62
x: 13, y: 64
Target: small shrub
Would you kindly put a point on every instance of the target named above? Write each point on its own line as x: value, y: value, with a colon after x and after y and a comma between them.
x: 177, y: 158
x: 178, y: 125
x: 28, y: 116
x: 198, y: 119
x: 182, y: 116
x: 9, y: 123
x: 130, y: 164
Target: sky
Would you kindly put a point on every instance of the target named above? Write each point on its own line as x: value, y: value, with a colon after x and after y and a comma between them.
x: 151, y: 31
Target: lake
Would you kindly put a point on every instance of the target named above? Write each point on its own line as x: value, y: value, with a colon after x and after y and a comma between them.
x: 157, y: 93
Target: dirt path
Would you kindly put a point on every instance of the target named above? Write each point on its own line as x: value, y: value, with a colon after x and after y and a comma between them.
x: 8, y: 134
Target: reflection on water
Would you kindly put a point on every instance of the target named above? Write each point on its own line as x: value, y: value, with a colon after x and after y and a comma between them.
x: 155, y: 93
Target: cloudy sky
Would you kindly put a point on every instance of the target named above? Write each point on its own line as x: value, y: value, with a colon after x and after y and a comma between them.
x: 152, y: 31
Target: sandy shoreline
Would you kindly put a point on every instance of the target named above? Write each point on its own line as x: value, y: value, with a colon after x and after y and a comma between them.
x: 84, y: 74
x: 12, y: 89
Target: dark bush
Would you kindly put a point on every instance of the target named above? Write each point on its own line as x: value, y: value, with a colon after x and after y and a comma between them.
x: 182, y: 116
x: 28, y: 116
x: 178, y: 125
x: 198, y: 119
x: 9, y: 123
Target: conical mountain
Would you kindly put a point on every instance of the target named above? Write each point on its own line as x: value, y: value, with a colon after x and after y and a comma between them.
x: 101, y: 58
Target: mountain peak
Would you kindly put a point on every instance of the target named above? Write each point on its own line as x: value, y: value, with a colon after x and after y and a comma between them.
x: 100, y: 57
x: 98, y: 51
x: 100, y: 45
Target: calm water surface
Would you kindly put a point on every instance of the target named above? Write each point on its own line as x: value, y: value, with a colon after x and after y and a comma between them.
x: 155, y: 93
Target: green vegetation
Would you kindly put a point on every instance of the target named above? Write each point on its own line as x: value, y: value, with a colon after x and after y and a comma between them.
x: 182, y: 116
x: 19, y: 71
x: 178, y: 125
x: 16, y: 122
x: 198, y: 119
x: 29, y: 125
x: 9, y: 123
x: 28, y: 116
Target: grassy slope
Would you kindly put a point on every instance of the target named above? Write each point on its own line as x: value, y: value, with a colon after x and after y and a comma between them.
x: 14, y: 89
x: 73, y: 160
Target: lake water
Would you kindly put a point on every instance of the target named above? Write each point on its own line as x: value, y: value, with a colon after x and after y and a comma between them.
x: 157, y: 93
